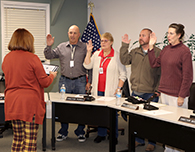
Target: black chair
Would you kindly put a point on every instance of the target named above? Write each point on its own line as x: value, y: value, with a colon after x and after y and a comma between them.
x: 125, y: 89
x: 4, y: 125
x: 191, y: 100
x: 92, y: 128
x: 125, y: 93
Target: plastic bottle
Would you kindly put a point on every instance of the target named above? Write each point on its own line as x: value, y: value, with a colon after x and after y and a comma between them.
x: 118, y: 97
x: 62, y: 92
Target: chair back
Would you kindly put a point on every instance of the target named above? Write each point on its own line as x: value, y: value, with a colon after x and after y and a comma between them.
x: 2, y: 83
x: 191, y: 100
x: 125, y: 90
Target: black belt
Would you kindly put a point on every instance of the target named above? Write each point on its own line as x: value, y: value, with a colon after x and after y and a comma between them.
x: 73, y: 78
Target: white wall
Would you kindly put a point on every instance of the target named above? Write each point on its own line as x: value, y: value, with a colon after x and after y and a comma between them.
x: 131, y: 16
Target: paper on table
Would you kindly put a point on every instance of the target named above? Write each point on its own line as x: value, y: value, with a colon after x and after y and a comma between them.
x: 106, y: 98
x: 157, y: 104
x: 158, y: 112
x: 81, y: 95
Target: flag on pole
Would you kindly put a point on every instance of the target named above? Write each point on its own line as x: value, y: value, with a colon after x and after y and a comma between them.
x: 91, y: 32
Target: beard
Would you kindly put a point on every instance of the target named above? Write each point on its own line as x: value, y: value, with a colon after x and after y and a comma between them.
x: 142, y: 43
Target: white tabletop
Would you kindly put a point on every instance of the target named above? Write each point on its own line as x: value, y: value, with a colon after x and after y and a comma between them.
x: 55, y: 97
x: 46, y: 96
x: 165, y: 112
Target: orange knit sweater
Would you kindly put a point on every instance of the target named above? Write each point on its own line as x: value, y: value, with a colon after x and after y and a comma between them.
x: 25, y: 81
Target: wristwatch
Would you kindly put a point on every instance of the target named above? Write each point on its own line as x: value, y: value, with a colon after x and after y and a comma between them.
x: 120, y: 88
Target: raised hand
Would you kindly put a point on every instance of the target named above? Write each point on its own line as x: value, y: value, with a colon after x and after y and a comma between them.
x: 89, y: 50
x: 152, y: 41
x: 89, y: 46
x: 153, y: 38
x: 126, y: 39
x: 50, y: 40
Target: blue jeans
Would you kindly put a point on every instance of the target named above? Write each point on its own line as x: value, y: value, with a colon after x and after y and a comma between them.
x: 145, y: 96
x: 102, y: 131
x: 76, y: 86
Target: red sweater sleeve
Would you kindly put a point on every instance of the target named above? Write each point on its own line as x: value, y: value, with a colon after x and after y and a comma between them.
x: 154, y: 62
x: 187, y: 73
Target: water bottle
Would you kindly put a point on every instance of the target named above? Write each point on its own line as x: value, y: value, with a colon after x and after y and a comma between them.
x: 118, y: 97
x: 62, y: 92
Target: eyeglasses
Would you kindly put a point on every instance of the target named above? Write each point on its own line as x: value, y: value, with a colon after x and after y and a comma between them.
x: 104, y: 41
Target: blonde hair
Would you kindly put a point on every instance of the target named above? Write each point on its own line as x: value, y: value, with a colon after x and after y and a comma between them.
x: 22, y: 39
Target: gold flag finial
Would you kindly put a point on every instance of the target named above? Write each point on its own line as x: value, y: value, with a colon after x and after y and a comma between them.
x: 91, y: 6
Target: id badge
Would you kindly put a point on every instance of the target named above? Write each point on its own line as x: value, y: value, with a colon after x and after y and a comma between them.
x: 101, y: 70
x: 71, y: 64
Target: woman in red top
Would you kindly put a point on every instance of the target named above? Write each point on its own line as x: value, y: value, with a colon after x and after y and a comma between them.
x: 25, y: 80
x: 109, y: 74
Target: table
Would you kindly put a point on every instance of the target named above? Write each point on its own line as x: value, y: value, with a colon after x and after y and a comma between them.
x: 163, y: 128
x: 92, y: 113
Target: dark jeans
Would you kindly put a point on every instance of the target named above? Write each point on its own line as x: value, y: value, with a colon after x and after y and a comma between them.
x: 102, y: 131
x: 76, y: 86
x: 145, y: 96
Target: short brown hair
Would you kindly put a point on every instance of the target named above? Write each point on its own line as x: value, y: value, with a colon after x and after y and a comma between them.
x: 108, y: 36
x: 149, y: 30
x: 22, y: 39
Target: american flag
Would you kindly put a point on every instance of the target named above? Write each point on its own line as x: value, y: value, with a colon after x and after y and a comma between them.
x: 91, y: 32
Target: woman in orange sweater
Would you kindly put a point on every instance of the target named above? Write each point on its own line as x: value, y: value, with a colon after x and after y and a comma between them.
x: 25, y: 80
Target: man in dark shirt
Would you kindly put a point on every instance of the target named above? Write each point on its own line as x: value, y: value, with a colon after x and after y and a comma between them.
x: 73, y: 75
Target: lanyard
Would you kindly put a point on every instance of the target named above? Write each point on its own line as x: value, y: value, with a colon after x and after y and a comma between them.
x: 72, y: 51
x: 103, y: 62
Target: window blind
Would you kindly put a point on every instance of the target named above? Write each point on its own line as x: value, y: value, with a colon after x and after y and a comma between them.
x: 32, y: 20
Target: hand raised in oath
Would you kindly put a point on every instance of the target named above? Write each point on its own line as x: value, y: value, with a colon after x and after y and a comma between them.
x: 126, y: 39
x: 89, y: 46
x: 50, y: 40
x: 152, y: 41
